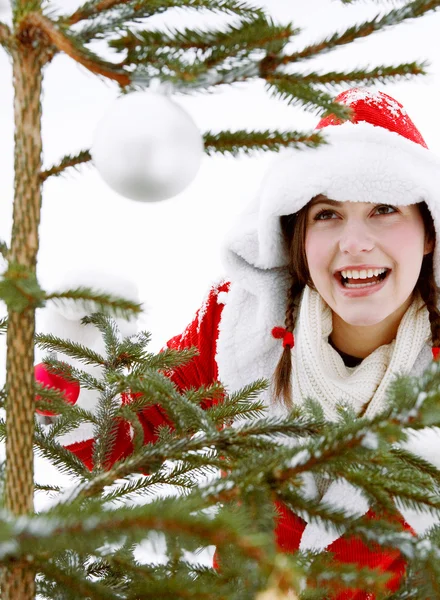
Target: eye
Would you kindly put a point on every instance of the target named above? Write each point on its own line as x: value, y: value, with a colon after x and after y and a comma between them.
x: 386, y: 206
x: 322, y: 213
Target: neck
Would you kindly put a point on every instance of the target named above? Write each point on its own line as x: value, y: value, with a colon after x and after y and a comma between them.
x: 360, y: 341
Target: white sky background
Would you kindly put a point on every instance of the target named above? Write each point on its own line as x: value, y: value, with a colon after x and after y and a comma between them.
x: 171, y: 250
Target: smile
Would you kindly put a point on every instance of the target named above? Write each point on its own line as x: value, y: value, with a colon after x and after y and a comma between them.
x: 355, y: 290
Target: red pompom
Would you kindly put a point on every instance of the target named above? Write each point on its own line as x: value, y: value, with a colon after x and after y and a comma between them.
x: 278, y: 332
x: 282, y: 333
x: 435, y: 353
x: 69, y: 389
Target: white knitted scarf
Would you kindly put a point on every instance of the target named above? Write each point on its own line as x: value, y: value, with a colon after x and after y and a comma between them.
x: 319, y: 371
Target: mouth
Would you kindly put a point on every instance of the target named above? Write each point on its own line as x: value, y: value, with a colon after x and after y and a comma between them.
x: 363, y: 287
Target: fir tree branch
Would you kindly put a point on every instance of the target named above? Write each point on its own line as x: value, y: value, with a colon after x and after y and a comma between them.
x: 340, y: 441
x: 69, y: 373
x: 68, y: 416
x: 20, y: 289
x: 4, y: 250
x: 53, y: 343
x: 156, y: 388
x: 85, y: 379
x: 242, y: 141
x: 177, y: 516
x: 110, y: 333
x: 148, y: 484
x: 60, y: 457
x: 216, y: 46
x: 146, y: 8
x: 48, y: 488
x: 52, y: 399
x: 297, y: 93
x: 197, y: 76
x: 243, y: 404
x: 152, y: 457
x: 411, y: 10
x: 423, y: 578
x: 145, y: 52
x: 5, y: 36
x: 381, y: 74
x: 166, y: 360
x: 68, y: 421
x: 106, y: 431
x: 72, y: 47
x: 153, y: 576
x: 66, y: 162
x: 94, y: 301
x: 75, y: 582
x: 413, y: 460
x: 138, y: 430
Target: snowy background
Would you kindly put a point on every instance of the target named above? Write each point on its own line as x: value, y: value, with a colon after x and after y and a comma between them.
x: 172, y: 250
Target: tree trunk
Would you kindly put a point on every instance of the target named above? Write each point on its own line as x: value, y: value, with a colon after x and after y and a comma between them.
x: 18, y: 580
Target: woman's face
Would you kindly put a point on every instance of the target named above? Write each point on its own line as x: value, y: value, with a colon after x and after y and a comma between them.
x: 340, y: 235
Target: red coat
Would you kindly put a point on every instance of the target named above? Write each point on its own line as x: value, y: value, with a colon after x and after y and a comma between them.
x: 202, y: 332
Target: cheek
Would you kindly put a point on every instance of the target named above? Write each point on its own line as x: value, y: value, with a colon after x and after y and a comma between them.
x: 406, y: 244
x: 317, y: 252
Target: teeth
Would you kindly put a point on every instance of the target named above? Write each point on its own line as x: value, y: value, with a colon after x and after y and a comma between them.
x: 363, y: 274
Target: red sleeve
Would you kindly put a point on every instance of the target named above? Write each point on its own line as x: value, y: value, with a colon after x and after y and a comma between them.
x: 202, y: 333
x: 290, y: 528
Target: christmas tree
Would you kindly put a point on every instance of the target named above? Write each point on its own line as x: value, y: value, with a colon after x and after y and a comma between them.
x: 84, y: 545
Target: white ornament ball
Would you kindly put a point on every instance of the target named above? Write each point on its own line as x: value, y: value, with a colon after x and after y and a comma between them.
x: 147, y: 147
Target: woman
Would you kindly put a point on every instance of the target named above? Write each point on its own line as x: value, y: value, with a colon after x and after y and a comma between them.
x: 332, y: 291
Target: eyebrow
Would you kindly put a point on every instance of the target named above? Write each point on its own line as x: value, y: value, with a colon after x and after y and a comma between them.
x: 325, y: 201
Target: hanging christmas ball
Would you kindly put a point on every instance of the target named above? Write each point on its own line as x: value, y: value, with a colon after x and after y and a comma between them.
x: 147, y: 148
x: 69, y: 389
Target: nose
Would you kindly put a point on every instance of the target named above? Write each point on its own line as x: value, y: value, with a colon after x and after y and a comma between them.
x: 355, y: 238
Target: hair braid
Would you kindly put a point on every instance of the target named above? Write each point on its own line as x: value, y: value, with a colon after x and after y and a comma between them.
x: 426, y: 284
x: 283, y: 371
x: 430, y: 292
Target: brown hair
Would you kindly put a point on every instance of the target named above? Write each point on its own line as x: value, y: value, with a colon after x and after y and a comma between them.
x: 293, y: 228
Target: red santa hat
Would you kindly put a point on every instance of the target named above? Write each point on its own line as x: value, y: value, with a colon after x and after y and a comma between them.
x: 379, y: 110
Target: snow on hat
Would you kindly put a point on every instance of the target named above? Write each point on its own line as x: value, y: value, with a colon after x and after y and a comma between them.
x: 379, y: 109
x: 376, y: 156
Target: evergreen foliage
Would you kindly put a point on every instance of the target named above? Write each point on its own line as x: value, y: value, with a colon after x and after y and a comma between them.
x: 224, y: 478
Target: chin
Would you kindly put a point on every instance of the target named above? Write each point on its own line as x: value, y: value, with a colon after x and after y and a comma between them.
x: 362, y: 321
x: 362, y: 318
